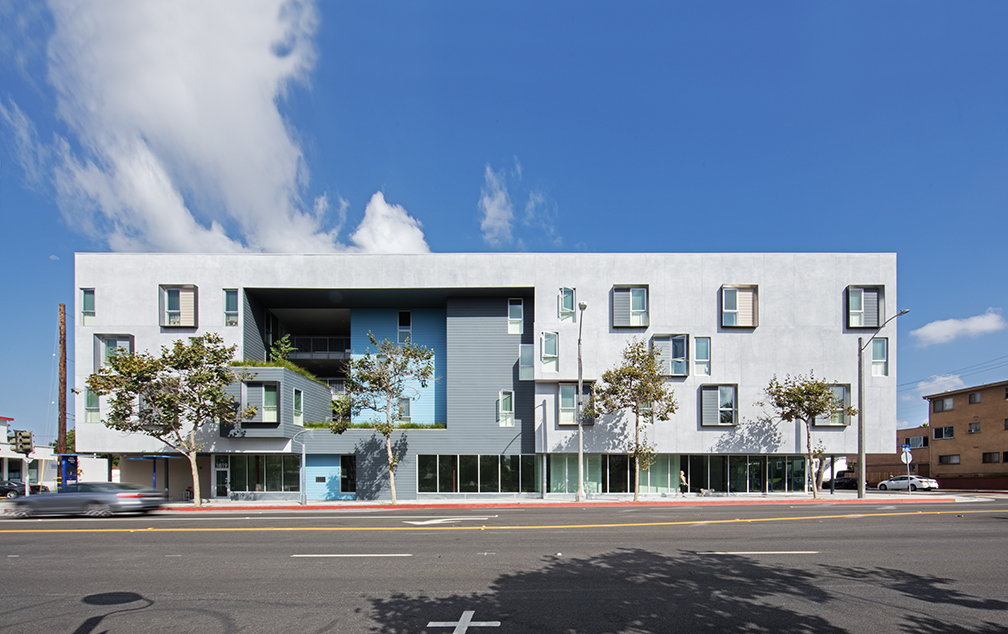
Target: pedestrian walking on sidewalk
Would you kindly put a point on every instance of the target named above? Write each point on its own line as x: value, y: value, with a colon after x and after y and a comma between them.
x: 683, y: 485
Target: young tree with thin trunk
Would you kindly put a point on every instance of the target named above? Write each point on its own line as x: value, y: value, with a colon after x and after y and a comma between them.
x: 639, y: 386
x: 801, y: 398
x: 174, y: 397
x: 375, y: 383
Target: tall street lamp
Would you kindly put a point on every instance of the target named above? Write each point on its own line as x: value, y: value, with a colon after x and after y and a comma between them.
x: 862, y: 468
x: 580, y: 490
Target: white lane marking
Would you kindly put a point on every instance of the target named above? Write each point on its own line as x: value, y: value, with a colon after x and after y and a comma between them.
x: 173, y: 555
x: 759, y: 552
x: 12, y: 556
x: 463, y: 624
x: 445, y: 520
x: 356, y: 555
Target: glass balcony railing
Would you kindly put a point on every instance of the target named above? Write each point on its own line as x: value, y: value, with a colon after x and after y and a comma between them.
x: 320, y: 347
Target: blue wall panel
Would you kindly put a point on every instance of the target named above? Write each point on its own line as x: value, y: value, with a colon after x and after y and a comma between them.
x: 328, y: 467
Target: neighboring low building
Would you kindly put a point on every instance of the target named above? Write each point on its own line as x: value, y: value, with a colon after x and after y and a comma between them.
x: 883, y: 466
x: 969, y: 437
x: 500, y: 416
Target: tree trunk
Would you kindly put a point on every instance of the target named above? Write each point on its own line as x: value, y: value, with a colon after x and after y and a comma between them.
x: 636, y: 487
x: 808, y: 458
x: 391, y: 469
x: 197, y: 498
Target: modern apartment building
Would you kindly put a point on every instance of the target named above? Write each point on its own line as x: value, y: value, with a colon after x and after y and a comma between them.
x: 969, y: 436
x: 504, y: 331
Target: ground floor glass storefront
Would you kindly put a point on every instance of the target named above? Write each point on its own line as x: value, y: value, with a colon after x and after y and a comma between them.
x: 256, y: 472
x: 478, y: 473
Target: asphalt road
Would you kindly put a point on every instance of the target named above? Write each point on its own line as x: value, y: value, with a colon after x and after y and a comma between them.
x: 919, y: 567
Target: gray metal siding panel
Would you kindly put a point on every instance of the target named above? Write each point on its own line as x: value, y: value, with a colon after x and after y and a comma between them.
x: 252, y: 342
x: 663, y: 352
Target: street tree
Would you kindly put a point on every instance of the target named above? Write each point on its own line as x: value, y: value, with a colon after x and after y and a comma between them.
x: 374, y: 385
x: 639, y: 386
x: 801, y: 398
x: 172, y: 397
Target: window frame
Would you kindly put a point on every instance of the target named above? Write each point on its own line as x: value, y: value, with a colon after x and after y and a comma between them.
x: 947, y: 432
x: 946, y: 404
x: 865, y: 319
x: 565, y: 313
x: 526, y: 362
x: 568, y: 411
x: 505, y: 417
x: 516, y: 324
x: 87, y: 316
x: 405, y: 405
x: 230, y: 316
x: 188, y: 315
x: 271, y: 413
x: 624, y: 315
x: 837, y: 417
x: 880, y: 366
x: 102, y: 347
x: 92, y: 407
x: 973, y: 428
x: 701, y: 365
x: 974, y: 398
x: 550, y: 360
x: 949, y: 459
x: 739, y: 317
x: 407, y: 329
x: 720, y: 409
x: 668, y: 365
x: 297, y: 402
x: 990, y: 457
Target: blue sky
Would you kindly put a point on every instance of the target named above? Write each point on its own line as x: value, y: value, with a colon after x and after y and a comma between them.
x: 504, y: 126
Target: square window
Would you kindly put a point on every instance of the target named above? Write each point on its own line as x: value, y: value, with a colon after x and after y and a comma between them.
x: 565, y: 305
x: 974, y: 398
x: 880, y: 357
x: 405, y: 326
x: 941, y: 433
x: 671, y: 353
x: 630, y: 306
x: 178, y: 306
x: 515, y: 316
x: 526, y: 361
x: 505, y: 408
x: 718, y: 405
x: 107, y: 345
x: 230, y: 307
x: 841, y: 400
x: 864, y: 306
x: 973, y: 428
x: 942, y: 404
x: 739, y: 306
x: 87, y: 307
x: 550, y: 352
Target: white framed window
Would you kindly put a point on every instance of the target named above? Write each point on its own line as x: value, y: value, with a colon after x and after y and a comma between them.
x: 880, y: 356
x: 178, y: 306
x: 298, y: 408
x: 739, y: 306
x: 566, y: 304
x: 405, y: 326
x: 87, y: 307
x: 107, y: 345
x: 630, y: 306
x: 647, y: 412
x: 526, y: 361
x: 702, y: 356
x: 550, y: 342
x: 864, y: 306
x: 270, y: 406
x: 505, y: 408
x: 230, y: 307
x: 945, y: 432
x: 405, y: 409
x: 916, y: 442
x: 568, y: 404
x: 974, y: 398
x: 672, y: 354
x: 841, y: 400
x: 942, y: 404
x: 718, y: 405
x: 974, y: 428
x: 516, y: 316
x: 92, y: 412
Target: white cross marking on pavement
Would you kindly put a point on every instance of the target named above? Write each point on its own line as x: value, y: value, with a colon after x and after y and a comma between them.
x: 463, y: 624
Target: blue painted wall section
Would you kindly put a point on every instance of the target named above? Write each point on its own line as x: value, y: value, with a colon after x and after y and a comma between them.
x: 326, y: 467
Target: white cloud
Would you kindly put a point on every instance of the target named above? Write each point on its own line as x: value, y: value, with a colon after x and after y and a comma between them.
x: 388, y: 229
x: 946, y: 330
x: 939, y: 383
x: 495, y: 205
x: 177, y: 142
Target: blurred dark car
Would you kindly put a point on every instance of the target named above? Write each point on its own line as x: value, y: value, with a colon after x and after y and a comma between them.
x: 842, y: 483
x: 14, y: 488
x: 95, y: 499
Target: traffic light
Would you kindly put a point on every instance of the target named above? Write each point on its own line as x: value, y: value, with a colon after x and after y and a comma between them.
x: 24, y: 442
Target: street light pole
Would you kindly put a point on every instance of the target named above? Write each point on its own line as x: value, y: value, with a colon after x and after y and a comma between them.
x: 580, y: 488
x: 862, y: 467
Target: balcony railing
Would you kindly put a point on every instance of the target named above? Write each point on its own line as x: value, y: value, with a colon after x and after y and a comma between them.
x: 320, y: 347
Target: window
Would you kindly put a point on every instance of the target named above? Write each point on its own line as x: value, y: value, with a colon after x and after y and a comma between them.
x: 92, y: 414
x: 107, y: 345
x: 526, y: 361
x: 630, y: 306
x: 974, y: 397
x: 568, y: 404
x: 880, y: 357
x: 864, y: 306
x: 739, y: 306
x: 841, y: 400
x: 269, y: 403
x: 405, y: 411
x: 299, y: 408
x: 550, y: 352
x: 505, y: 408
x: 994, y: 456
x: 719, y: 405
x: 671, y: 352
x: 1006, y: 424
x: 405, y: 326
x: 973, y: 428
x: 941, y: 433
x: 178, y: 306
x: 952, y: 459
x: 565, y: 305
x: 230, y: 307
x: 942, y: 404
x: 87, y: 307
x: 701, y: 355
x: 515, y: 316
x: 916, y: 442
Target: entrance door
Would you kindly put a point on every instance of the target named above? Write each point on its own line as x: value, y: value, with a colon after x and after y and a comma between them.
x: 221, y: 473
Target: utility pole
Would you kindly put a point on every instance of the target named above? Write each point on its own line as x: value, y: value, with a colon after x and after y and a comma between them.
x: 61, y: 444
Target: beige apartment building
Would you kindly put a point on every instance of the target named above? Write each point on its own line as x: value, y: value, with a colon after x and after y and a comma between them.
x: 969, y: 437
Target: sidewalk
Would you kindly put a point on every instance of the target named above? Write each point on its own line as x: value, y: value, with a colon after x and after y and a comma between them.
x: 839, y: 497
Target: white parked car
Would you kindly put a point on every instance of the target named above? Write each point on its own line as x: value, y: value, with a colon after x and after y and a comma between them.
x: 901, y: 482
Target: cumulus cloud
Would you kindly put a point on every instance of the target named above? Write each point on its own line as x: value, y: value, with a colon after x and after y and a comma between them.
x: 495, y: 207
x: 388, y: 229
x: 176, y: 138
x: 946, y: 330
x: 939, y: 383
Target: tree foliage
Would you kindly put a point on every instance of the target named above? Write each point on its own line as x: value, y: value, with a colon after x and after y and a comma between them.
x: 639, y: 386
x: 171, y: 397
x: 375, y: 382
x: 804, y: 399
